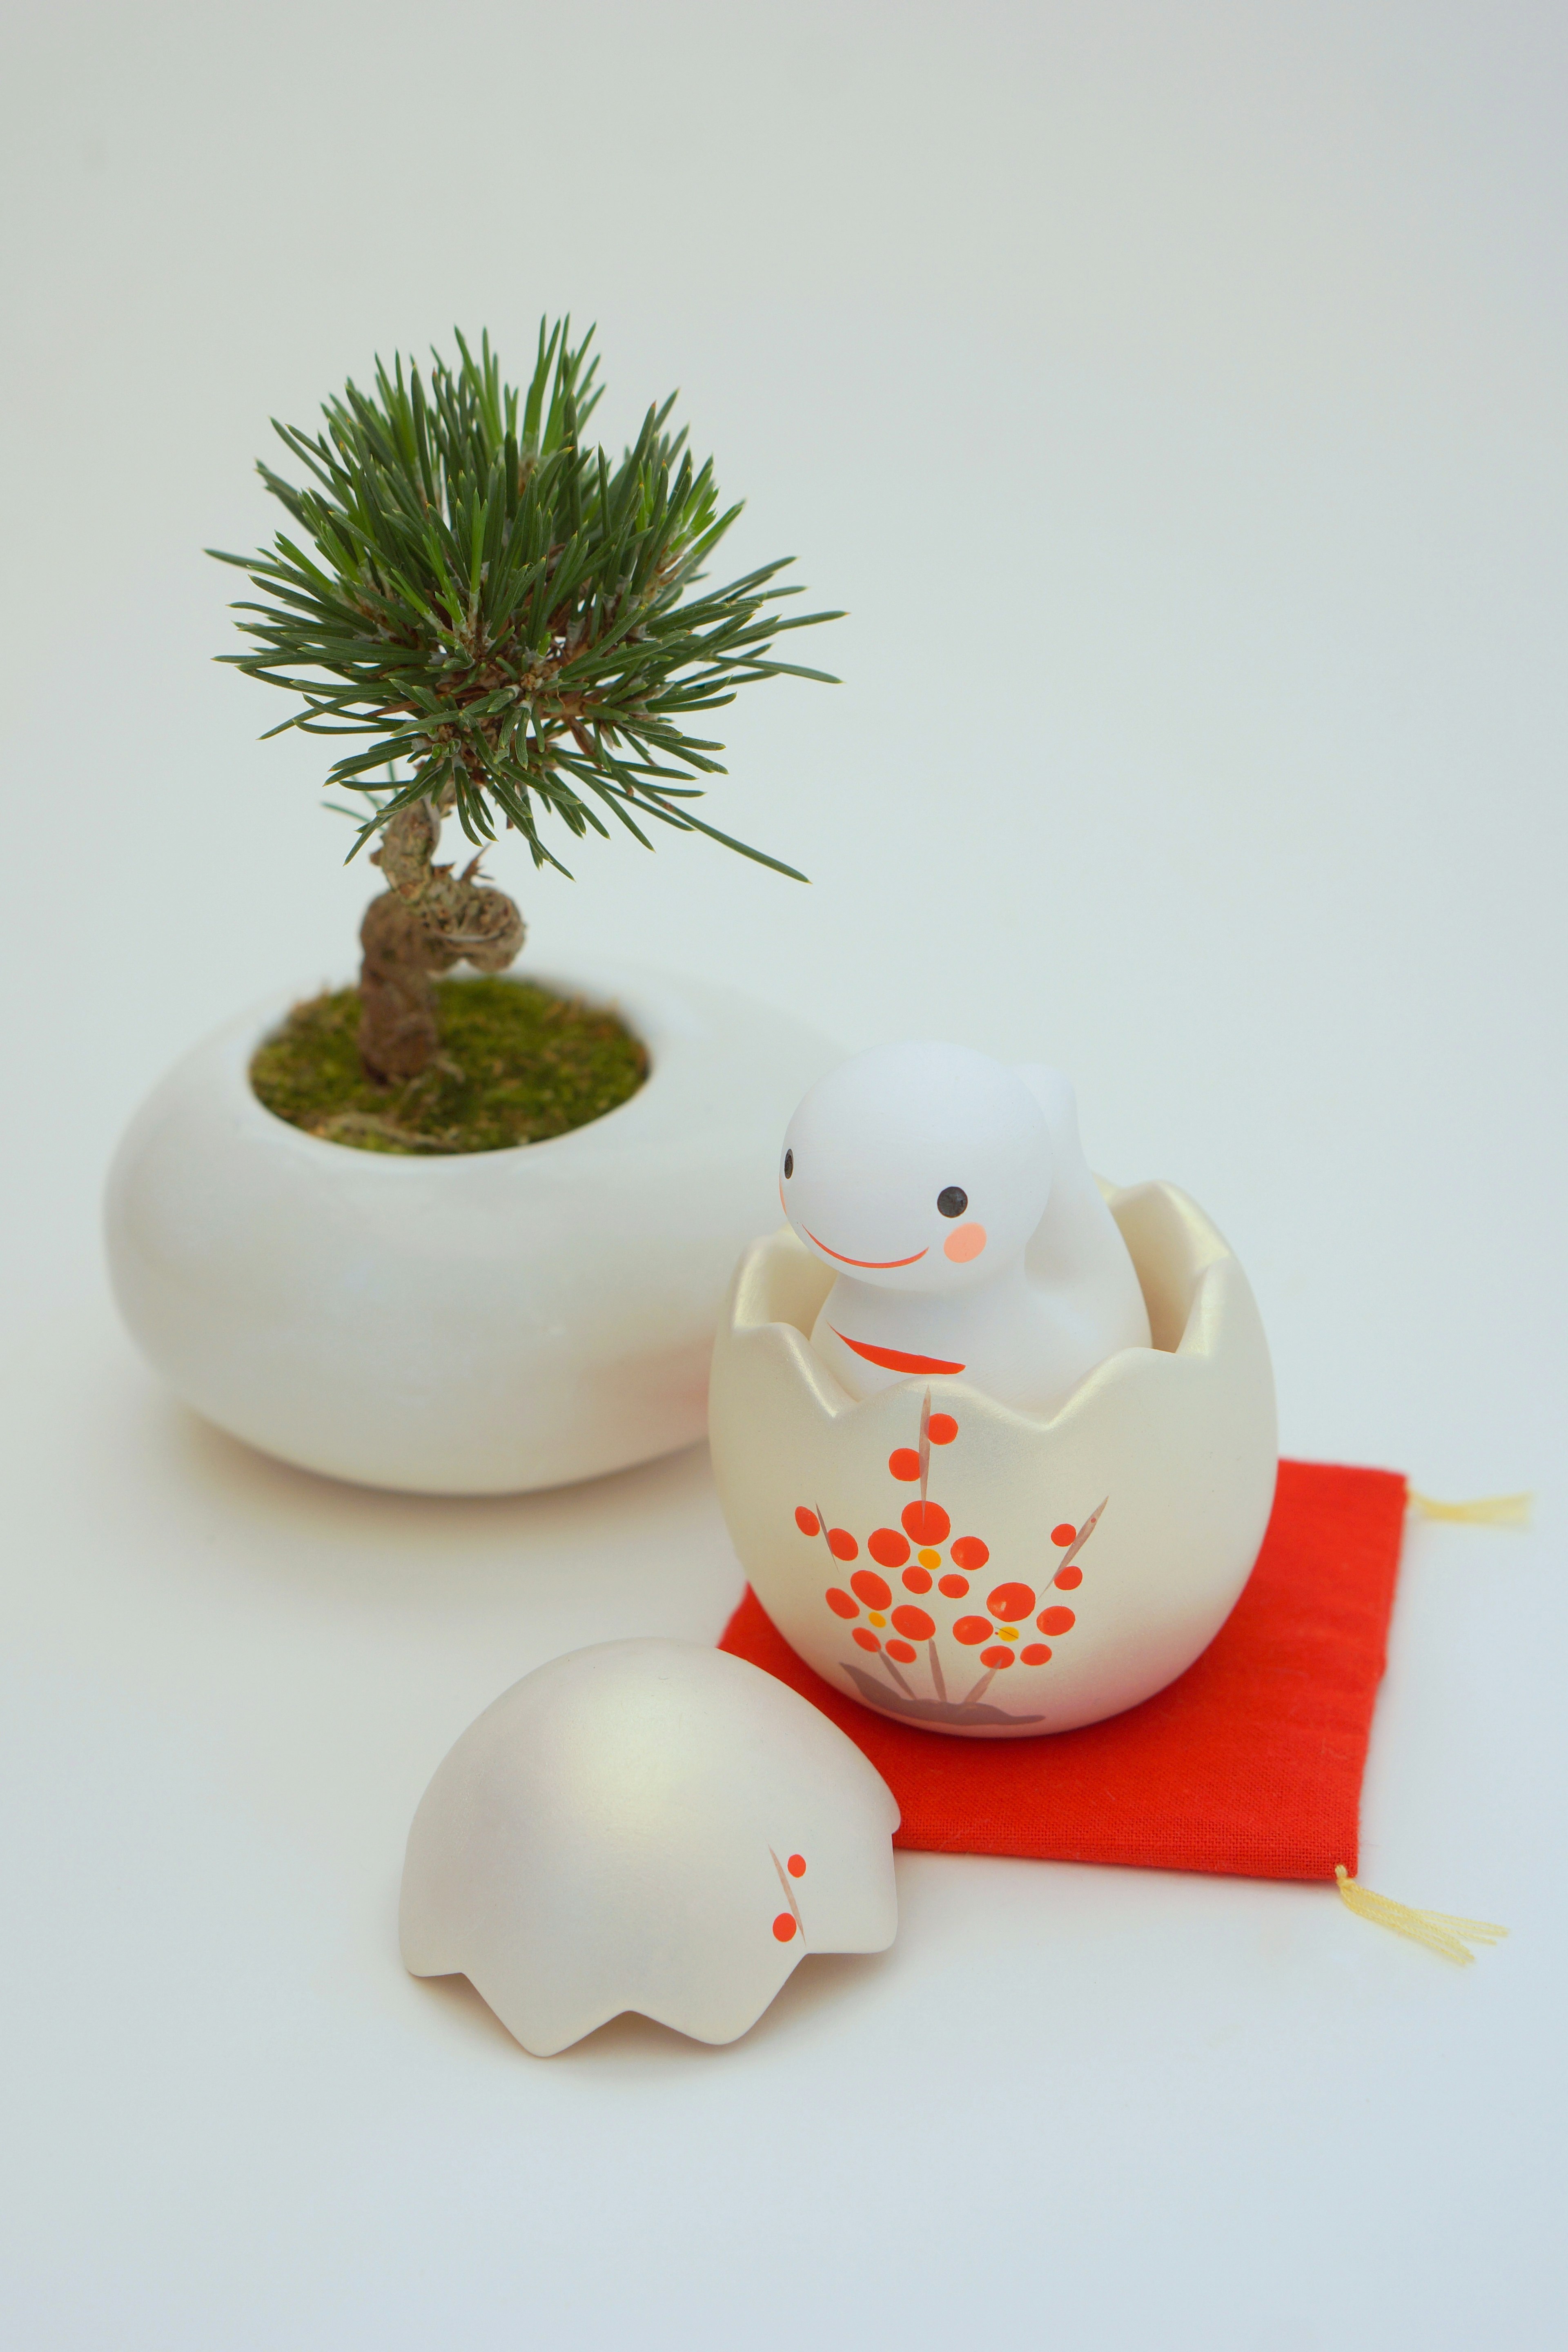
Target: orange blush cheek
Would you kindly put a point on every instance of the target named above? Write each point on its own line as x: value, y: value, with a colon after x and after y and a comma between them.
x: 967, y: 1243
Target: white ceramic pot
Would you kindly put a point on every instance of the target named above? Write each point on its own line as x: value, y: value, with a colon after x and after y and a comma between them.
x: 976, y: 1569
x: 469, y: 1325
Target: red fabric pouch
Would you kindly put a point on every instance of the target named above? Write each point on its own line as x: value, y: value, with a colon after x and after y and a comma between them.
x: 1250, y: 1763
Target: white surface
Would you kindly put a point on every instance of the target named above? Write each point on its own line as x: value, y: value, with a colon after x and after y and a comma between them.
x: 482, y: 1325
x: 1165, y: 1462
x: 1175, y: 397
x: 651, y: 1826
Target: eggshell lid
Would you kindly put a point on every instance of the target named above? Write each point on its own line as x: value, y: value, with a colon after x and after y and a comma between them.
x: 646, y: 1825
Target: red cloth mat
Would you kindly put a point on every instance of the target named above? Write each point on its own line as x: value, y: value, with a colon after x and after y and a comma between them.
x: 1250, y: 1763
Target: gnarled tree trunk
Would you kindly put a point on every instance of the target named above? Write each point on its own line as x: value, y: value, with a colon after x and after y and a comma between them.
x: 427, y: 919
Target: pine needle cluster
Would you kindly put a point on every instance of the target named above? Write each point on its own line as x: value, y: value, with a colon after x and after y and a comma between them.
x: 503, y: 610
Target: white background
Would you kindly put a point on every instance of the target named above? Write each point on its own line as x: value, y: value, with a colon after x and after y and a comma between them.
x: 1174, y: 395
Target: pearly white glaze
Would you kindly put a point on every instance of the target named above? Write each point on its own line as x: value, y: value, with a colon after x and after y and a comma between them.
x: 617, y: 1832
x: 476, y: 1324
x: 1173, y: 1446
x: 951, y: 1198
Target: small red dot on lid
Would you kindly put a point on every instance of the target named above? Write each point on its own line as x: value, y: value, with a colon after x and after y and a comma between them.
x: 871, y: 1587
x: 784, y: 1926
x: 840, y: 1603
x: 887, y: 1547
x: 902, y: 1652
x: 904, y: 1463
x: 971, y: 1553
x: 1056, y: 1621
x: 1067, y: 1579
x: 942, y: 1429
x: 996, y: 1657
x: 955, y: 1587
x: 795, y: 1865
x: 916, y: 1580
x: 1011, y: 1600
x: 866, y: 1639
x: 972, y: 1631
x: 926, y: 1523
x: 841, y: 1543
x: 1036, y: 1654
x: 1064, y: 1535
x: 806, y: 1521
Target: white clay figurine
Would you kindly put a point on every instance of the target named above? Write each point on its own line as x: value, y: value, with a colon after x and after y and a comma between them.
x: 952, y: 1199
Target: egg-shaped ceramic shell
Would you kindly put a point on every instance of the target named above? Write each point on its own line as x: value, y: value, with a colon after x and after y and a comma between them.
x: 971, y: 1568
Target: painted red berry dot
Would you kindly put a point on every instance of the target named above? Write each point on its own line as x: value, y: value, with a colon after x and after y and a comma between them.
x: 955, y: 1587
x: 795, y: 1865
x: 784, y: 1926
x: 887, y: 1547
x: 840, y: 1602
x: 996, y: 1657
x: 1064, y: 1535
x: 1056, y: 1621
x: 871, y: 1587
x: 916, y: 1580
x: 942, y: 1429
x: 841, y: 1543
x: 1067, y: 1579
x: 904, y: 1463
x: 914, y: 1623
x: 971, y: 1553
x: 1011, y: 1600
x: 867, y: 1640
x: 970, y: 1631
x: 806, y: 1521
x: 1036, y: 1654
x: 902, y: 1652
x: 925, y: 1523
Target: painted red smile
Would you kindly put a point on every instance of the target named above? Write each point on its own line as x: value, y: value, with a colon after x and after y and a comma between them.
x: 879, y: 1265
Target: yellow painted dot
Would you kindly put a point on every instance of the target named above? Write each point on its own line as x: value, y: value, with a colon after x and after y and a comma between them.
x: 876, y: 1617
x: 929, y: 1559
x: 1006, y: 1633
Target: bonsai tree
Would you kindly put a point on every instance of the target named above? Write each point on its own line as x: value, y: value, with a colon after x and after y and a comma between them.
x: 510, y: 617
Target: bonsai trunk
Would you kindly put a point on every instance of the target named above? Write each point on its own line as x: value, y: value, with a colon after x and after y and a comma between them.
x: 427, y: 919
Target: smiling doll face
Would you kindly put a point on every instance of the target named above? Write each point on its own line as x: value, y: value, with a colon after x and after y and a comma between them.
x: 920, y: 1168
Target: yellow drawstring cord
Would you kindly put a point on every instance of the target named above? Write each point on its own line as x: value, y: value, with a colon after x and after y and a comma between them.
x: 1486, y: 1511
x: 1438, y: 1930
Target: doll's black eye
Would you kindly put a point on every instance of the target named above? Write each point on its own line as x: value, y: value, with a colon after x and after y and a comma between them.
x: 789, y: 1163
x: 953, y: 1201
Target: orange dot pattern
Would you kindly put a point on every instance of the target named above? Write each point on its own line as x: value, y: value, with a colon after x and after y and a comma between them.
x: 926, y: 1526
x: 783, y: 1925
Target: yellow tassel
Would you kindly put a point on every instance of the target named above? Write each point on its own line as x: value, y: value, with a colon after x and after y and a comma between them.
x: 1486, y: 1511
x: 1438, y: 1930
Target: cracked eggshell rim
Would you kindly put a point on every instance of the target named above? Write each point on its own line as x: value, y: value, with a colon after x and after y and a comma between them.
x: 1179, y: 1443
x: 646, y: 1825
x: 482, y: 1323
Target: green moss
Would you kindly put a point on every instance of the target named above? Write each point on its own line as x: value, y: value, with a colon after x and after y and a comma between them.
x: 516, y: 1065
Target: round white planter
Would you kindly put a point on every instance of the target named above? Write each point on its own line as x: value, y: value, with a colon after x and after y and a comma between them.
x: 472, y: 1325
